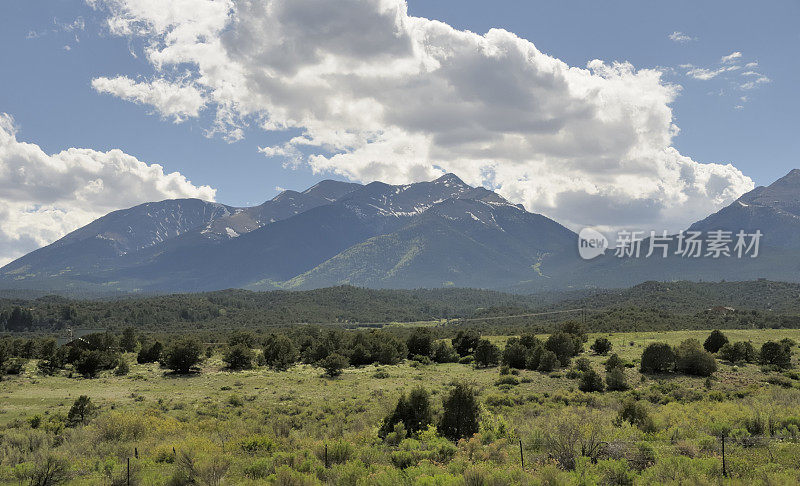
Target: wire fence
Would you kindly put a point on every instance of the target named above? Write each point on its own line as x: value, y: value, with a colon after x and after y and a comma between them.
x: 728, y: 447
x: 724, y: 449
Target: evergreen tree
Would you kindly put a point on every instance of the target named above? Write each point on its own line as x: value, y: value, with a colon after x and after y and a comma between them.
x: 128, y: 340
x: 530, y: 341
x: 616, y: 380
x: 333, y: 364
x: 563, y: 345
x: 413, y: 411
x: 486, y: 354
x: 715, y: 341
x: 576, y: 329
x: 19, y: 320
x: 183, y: 355
x: 245, y: 338
x: 89, y: 364
x: 443, y: 352
x: 461, y: 413
x: 515, y: 355
x: 279, y: 352
x: 239, y: 357
x: 601, y: 345
x: 776, y: 354
x: 692, y: 359
x: 548, y: 361
x: 5, y: 355
x: 614, y: 361
x: 533, y: 357
x: 81, y: 411
x: 465, y: 342
x: 746, y: 351
x: 591, y: 381
x: 420, y: 342
x: 150, y: 354
x: 360, y: 356
x: 658, y: 358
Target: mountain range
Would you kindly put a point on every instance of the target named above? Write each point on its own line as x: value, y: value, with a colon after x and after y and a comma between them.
x: 442, y: 233
x: 772, y: 210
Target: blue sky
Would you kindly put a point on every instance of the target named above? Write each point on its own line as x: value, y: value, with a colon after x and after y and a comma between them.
x: 51, y: 52
x: 47, y: 88
x: 49, y: 94
x: 760, y: 139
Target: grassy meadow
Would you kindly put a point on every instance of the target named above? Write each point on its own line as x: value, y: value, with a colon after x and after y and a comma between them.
x: 261, y: 426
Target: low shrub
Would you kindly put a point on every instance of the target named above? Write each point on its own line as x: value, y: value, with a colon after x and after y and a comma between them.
x: 591, y: 381
x: 601, y: 346
x: 616, y: 379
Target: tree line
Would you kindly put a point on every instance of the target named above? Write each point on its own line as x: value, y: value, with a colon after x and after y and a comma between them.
x: 650, y: 306
x: 334, y: 349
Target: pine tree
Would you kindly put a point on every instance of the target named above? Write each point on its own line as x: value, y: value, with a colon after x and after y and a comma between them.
x: 715, y: 341
x: 461, y: 413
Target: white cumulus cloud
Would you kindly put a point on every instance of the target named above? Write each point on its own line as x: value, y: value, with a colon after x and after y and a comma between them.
x: 760, y: 79
x: 705, y: 74
x: 730, y: 70
x: 681, y: 38
x: 176, y: 100
x: 43, y: 197
x: 379, y: 94
x: 732, y: 57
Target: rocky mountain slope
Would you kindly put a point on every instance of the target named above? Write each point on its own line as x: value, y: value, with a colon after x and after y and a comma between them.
x: 442, y: 233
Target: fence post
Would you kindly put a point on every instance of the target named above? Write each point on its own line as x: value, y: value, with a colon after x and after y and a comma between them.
x: 326, y: 456
x: 129, y: 471
x: 521, y: 456
x: 724, y: 466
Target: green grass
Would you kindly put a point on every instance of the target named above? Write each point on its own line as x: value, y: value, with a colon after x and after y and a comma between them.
x: 300, y: 411
x: 31, y: 393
